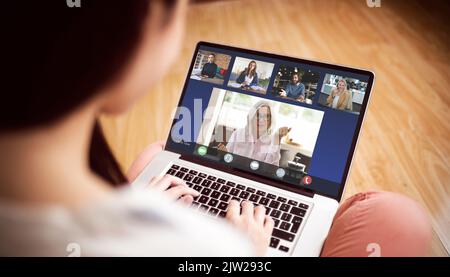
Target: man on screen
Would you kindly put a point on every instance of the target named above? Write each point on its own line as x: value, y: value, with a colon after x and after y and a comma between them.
x: 210, y: 68
x: 295, y: 89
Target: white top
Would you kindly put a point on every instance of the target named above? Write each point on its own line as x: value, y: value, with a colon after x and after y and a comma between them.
x: 335, y: 102
x: 138, y: 222
x: 248, y: 80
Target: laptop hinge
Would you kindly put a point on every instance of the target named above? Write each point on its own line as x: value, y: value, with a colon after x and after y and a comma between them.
x: 247, y: 175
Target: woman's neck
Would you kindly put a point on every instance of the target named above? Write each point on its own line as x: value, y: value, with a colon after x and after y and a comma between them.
x: 50, y: 164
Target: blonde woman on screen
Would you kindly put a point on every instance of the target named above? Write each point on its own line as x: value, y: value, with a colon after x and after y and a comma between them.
x: 258, y: 140
x: 340, y: 98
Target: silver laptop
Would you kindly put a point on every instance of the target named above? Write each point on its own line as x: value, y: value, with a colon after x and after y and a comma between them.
x: 274, y: 130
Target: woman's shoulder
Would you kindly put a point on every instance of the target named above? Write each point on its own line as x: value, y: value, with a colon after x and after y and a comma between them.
x: 166, y: 228
x: 136, y: 222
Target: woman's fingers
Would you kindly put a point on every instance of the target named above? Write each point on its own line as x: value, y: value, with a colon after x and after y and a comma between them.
x: 234, y: 210
x: 181, y: 190
x: 260, y: 213
x: 253, y: 222
x: 268, y: 224
x: 168, y: 181
x: 247, y: 210
x: 174, y: 187
x: 186, y: 199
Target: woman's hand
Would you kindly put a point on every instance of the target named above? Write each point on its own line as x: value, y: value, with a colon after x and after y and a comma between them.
x: 283, y: 93
x: 143, y: 159
x: 222, y: 147
x: 174, y: 188
x: 253, y: 222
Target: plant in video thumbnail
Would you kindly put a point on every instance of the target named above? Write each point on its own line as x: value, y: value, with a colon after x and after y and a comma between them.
x: 268, y: 131
x: 251, y: 75
x: 342, y: 93
x: 211, y: 67
x: 295, y: 83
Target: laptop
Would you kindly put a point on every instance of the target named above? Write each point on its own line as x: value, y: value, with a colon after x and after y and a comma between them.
x: 275, y: 130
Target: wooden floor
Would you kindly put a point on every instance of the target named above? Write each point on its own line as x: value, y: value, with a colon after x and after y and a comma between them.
x: 405, y: 141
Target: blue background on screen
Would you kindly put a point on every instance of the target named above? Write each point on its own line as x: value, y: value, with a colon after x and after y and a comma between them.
x: 336, y: 134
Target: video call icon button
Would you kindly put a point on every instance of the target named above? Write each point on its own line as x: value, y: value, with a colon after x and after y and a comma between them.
x: 254, y: 165
x: 280, y: 173
x: 307, y: 180
x: 228, y: 158
x: 202, y: 150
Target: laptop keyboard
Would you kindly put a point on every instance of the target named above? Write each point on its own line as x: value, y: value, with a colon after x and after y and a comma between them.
x: 216, y: 193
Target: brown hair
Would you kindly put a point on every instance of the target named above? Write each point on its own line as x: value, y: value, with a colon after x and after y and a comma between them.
x: 249, y: 72
x: 59, y: 57
x: 298, y: 75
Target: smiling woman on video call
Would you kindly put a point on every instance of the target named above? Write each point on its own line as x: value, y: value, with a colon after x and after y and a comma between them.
x: 60, y: 183
x: 340, y: 98
x: 258, y: 140
x: 248, y: 77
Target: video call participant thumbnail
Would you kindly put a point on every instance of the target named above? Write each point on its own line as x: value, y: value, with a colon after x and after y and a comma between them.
x: 340, y: 98
x: 295, y: 83
x: 294, y: 89
x: 251, y: 75
x: 342, y: 93
x: 210, y: 67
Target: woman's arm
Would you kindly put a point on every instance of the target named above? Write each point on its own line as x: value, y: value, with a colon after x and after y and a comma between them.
x: 241, y: 78
x: 345, y: 104
x: 330, y: 98
x: 143, y: 159
x: 171, y: 186
x: 251, y: 221
x: 255, y: 80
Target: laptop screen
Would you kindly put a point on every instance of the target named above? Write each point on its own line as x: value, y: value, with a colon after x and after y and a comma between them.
x: 291, y: 121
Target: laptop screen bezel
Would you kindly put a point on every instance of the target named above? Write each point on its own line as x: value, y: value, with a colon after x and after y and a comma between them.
x: 260, y: 178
